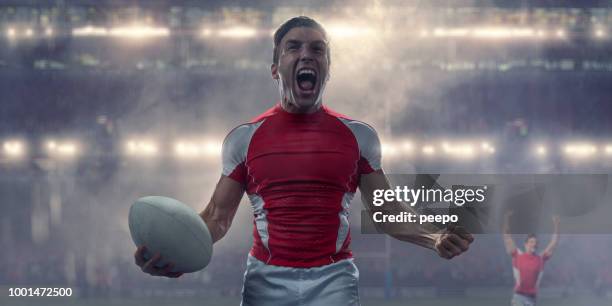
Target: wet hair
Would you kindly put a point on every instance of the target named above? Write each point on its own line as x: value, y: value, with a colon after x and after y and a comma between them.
x: 295, y: 22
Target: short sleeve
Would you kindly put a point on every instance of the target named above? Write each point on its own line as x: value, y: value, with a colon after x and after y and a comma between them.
x: 234, y: 151
x: 369, y: 146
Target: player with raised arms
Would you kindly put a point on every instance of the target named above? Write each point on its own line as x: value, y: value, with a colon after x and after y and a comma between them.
x: 527, y: 265
x: 300, y: 164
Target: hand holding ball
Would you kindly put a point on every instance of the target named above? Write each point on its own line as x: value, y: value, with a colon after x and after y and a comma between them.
x: 171, y: 237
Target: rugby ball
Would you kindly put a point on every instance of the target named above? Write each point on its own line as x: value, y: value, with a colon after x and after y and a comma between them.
x: 173, y: 229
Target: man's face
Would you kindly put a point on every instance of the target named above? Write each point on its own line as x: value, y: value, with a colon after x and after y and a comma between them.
x: 302, y: 69
x: 531, y: 245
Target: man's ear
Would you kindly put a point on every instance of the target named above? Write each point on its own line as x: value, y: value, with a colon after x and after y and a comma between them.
x: 274, y: 70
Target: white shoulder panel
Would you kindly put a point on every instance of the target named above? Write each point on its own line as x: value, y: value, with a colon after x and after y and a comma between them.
x: 236, y: 145
x: 367, y: 139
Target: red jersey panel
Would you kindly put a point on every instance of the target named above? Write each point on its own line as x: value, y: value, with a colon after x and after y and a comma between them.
x: 527, y: 270
x: 300, y: 172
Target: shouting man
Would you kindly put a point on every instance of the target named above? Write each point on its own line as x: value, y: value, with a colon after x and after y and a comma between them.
x: 300, y: 164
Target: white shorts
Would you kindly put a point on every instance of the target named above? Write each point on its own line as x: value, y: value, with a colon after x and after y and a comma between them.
x: 522, y: 300
x: 334, y: 284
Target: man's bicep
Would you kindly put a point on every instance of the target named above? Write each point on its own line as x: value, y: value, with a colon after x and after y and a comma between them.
x: 368, y: 183
x: 228, y: 193
x: 221, y: 209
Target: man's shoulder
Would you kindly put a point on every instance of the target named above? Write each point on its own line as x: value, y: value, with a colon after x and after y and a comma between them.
x: 268, y: 113
x: 334, y: 113
x: 250, y: 126
x: 354, y: 124
x: 366, y: 137
x: 241, y: 135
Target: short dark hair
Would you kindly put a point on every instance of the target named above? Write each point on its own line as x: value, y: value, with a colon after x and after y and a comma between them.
x: 295, y: 22
x: 529, y: 236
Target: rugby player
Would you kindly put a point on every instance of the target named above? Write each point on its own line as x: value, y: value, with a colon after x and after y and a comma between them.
x: 527, y: 265
x: 300, y: 164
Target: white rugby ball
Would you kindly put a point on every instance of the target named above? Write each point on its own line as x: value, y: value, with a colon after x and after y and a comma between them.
x: 173, y: 229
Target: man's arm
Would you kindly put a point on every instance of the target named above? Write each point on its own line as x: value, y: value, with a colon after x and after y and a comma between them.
x: 508, y: 241
x: 555, y: 238
x: 448, y: 243
x: 221, y: 209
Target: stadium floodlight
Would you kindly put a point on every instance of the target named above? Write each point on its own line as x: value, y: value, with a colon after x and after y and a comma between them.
x: 583, y: 150
x: 13, y: 148
x: 599, y: 33
x: 388, y: 149
x: 90, y: 31
x: 608, y: 149
x: 501, y: 32
x: 11, y: 32
x: 141, y: 147
x: 62, y: 149
x: 407, y: 147
x: 213, y: 148
x: 237, y: 32
x: 67, y: 149
x: 197, y: 149
x: 29, y: 32
x: 206, y: 32
x: 456, y: 32
x: 428, y: 150
x: 48, y: 31
x: 461, y: 151
x: 560, y: 33
x: 184, y: 149
x: 488, y: 148
x: 188, y: 149
x: 541, y: 150
x: 138, y: 31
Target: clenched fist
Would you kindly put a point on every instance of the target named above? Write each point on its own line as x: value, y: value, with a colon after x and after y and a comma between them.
x: 452, y: 241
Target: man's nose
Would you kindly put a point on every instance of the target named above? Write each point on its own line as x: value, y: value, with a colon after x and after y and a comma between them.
x: 306, y: 54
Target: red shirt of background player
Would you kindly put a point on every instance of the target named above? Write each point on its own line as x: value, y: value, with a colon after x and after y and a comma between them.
x: 527, y: 269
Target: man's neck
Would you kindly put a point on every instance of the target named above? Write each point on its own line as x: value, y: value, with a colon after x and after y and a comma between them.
x: 294, y: 109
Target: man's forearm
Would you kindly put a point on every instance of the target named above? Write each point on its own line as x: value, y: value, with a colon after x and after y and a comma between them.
x: 216, y: 223
x: 418, y: 235
x: 422, y: 235
x: 553, y: 243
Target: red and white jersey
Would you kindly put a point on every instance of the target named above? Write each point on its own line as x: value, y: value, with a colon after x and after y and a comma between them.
x: 300, y: 172
x: 528, y: 270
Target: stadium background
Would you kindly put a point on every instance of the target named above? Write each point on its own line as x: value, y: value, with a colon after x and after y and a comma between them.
x: 106, y: 101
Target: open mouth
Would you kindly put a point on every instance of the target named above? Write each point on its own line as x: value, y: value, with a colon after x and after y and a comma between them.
x: 306, y: 79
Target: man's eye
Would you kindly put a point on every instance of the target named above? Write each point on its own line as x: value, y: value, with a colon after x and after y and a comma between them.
x: 292, y: 47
